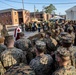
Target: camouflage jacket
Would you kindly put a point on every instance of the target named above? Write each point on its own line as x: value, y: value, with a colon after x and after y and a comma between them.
x: 2, y: 48
x: 23, y: 44
x: 68, y: 70
x: 4, y: 32
x: 12, y: 56
x: 50, y: 46
x: 2, y: 70
x: 42, y: 64
x: 20, y: 70
x: 72, y: 51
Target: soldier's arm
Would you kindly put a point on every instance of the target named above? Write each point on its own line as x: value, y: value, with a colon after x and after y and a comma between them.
x: 32, y: 65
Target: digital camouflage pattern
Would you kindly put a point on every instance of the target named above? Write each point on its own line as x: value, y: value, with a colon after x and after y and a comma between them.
x: 20, y: 70
x: 12, y: 56
x: 50, y: 46
x: 40, y: 45
x: 2, y: 70
x: 4, y: 32
x: 64, y: 54
x: 23, y: 44
x: 72, y: 51
x: 42, y: 64
x: 72, y: 33
x: 67, y: 70
x: 2, y: 48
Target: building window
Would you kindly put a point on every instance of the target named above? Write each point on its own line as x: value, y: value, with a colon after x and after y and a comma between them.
x: 15, y: 20
x: 15, y: 13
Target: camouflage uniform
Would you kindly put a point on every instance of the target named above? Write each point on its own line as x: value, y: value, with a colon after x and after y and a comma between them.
x: 20, y: 70
x: 72, y: 33
x: 25, y: 45
x: 12, y: 56
x: 68, y: 70
x: 71, y: 49
x: 2, y: 48
x: 4, y: 32
x: 64, y: 70
x: 2, y: 70
x: 50, y: 46
x: 41, y: 64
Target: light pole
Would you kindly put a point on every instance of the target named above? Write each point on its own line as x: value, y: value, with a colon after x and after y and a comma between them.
x: 23, y: 26
x: 34, y: 11
x: 23, y: 4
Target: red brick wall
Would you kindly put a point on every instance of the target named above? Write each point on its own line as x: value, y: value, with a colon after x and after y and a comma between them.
x: 5, y: 18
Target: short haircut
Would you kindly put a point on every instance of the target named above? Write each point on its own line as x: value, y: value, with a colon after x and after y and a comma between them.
x: 40, y: 50
x: 8, y: 39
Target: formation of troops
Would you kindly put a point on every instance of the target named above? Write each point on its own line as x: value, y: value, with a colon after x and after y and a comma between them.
x: 51, y: 52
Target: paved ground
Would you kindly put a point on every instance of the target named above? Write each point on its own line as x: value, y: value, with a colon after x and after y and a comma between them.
x: 27, y: 34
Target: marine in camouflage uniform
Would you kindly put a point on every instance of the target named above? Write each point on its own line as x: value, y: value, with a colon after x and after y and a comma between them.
x: 63, y: 58
x: 50, y: 45
x: 2, y: 48
x: 20, y: 70
x: 56, y: 36
x: 41, y: 64
x: 70, y: 32
x: 25, y: 45
x: 67, y: 43
x: 11, y: 56
x: 4, y: 31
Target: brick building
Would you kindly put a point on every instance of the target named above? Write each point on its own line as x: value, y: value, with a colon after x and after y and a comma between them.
x: 9, y: 17
x: 41, y: 16
x: 14, y: 17
x: 24, y: 16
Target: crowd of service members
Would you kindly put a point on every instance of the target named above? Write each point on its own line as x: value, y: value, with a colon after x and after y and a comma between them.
x: 35, y: 26
x: 52, y: 52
